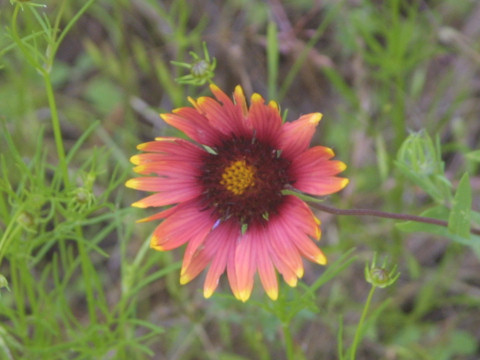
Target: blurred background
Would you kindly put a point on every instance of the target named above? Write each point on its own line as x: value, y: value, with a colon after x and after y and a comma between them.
x: 398, y: 82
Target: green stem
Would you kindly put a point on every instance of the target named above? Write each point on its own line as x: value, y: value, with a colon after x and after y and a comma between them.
x: 381, y: 214
x: 287, y: 336
x: 87, y: 276
x: 57, y: 132
x: 50, y: 95
x: 359, y: 331
x: 19, y: 41
x: 8, y: 236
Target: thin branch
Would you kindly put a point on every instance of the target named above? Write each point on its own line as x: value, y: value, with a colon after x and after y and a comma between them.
x: 384, y: 214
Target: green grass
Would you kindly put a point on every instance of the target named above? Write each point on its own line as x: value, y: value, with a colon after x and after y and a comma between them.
x: 81, y: 84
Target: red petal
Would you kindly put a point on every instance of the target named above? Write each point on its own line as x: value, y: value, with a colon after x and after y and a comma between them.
x: 265, y: 120
x: 297, y: 135
x: 223, y: 240
x: 186, y: 224
x: 245, y: 263
x: 194, y: 124
x: 266, y: 270
x: 173, y: 146
x: 223, y: 114
x: 314, y: 174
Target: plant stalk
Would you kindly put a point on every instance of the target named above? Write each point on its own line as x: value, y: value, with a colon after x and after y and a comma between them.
x: 384, y: 214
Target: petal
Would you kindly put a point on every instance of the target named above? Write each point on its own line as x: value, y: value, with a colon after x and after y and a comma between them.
x: 296, y: 220
x: 181, y: 171
x: 240, y: 101
x: 169, y: 191
x: 245, y: 262
x: 195, y: 267
x: 265, y: 119
x: 314, y: 174
x: 296, y: 136
x: 288, y: 275
x: 309, y: 250
x: 232, y: 274
x: 223, y: 229
x: 223, y: 114
x: 149, y: 158
x: 297, y: 213
x: 194, y: 124
x: 173, y: 146
x: 266, y: 270
x: 161, y: 215
x: 223, y: 240
x: 187, y: 224
x: 281, y: 244
x: 157, y: 183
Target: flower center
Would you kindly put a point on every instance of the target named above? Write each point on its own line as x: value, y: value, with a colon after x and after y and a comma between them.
x: 243, y: 179
x: 238, y: 177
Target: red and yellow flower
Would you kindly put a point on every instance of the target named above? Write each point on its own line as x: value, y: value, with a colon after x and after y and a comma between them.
x: 227, y: 191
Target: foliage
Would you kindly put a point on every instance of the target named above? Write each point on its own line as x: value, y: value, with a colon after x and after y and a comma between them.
x: 81, y: 85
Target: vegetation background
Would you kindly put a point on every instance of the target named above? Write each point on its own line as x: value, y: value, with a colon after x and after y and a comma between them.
x: 82, y: 83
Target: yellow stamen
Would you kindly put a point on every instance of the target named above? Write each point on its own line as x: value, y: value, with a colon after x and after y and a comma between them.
x: 238, y: 177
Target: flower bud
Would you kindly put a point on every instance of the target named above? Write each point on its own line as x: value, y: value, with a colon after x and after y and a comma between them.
x: 26, y: 220
x: 380, y: 276
x: 201, y: 70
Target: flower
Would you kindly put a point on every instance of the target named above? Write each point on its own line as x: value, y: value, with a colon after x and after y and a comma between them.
x: 231, y: 191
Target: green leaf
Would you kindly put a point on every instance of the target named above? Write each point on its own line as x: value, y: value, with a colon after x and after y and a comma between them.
x: 474, y: 155
x: 419, y: 160
x: 442, y: 213
x: 437, y: 212
x: 459, y: 219
x: 272, y: 57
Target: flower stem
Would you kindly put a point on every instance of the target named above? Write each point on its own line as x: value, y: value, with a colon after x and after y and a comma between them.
x: 384, y: 214
x: 287, y: 336
x: 45, y: 72
x: 62, y: 163
x: 358, y: 332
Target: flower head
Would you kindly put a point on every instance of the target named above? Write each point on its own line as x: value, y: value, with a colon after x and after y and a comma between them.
x: 227, y: 191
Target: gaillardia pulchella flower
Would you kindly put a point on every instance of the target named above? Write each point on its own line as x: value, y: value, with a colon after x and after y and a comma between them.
x: 228, y: 191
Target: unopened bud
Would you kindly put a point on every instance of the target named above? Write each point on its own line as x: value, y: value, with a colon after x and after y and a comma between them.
x: 26, y: 220
x: 380, y: 276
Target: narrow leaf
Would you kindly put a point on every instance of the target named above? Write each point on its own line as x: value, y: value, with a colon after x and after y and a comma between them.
x: 474, y: 155
x: 459, y: 219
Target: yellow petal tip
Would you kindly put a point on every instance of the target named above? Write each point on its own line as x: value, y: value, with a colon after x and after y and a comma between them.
x: 154, y: 245
x: 131, y: 183
x: 207, y: 293
x: 272, y: 294
x: 139, y: 204
x: 292, y: 282
x: 321, y: 259
x: 184, y: 279
x: 345, y: 182
x: 315, y: 118
x: 214, y: 88
x: 257, y: 98
x: 135, y: 159
x: 273, y: 105
x: 243, y: 295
